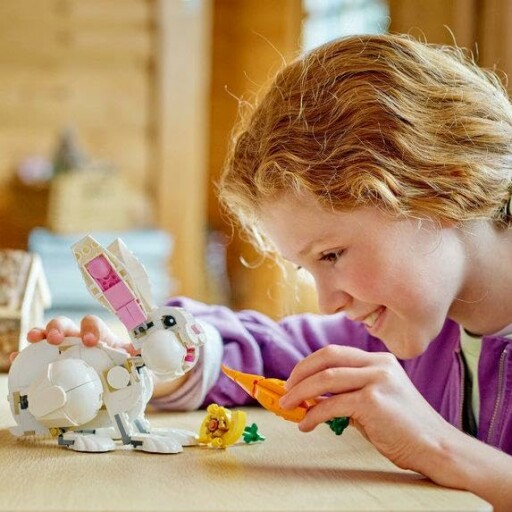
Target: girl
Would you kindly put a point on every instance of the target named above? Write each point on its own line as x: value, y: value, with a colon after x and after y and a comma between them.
x: 381, y: 166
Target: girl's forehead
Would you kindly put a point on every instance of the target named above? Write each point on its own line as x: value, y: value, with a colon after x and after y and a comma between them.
x: 303, y: 209
x: 294, y: 222
x: 291, y: 201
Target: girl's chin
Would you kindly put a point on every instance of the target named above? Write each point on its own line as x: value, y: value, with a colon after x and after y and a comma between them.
x: 404, y: 340
x: 405, y: 349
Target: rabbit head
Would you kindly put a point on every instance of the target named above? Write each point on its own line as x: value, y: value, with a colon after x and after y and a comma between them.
x: 168, y: 337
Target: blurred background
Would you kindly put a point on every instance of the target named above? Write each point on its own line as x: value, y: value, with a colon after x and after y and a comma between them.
x: 115, y: 116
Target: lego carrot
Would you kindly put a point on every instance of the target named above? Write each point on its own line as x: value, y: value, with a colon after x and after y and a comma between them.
x: 268, y: 392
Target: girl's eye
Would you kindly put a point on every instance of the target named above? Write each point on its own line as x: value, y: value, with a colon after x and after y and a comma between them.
x: 332, y: 256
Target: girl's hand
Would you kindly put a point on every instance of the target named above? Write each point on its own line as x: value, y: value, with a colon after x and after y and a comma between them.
x: 92, y: 329
x: 375, y: 392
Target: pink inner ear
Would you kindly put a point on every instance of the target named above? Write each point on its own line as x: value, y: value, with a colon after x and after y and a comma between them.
x: 98, y: 267
x: 102, y: 272
x: 119, y: 295
x: 131, y: 315
x: 116, y: 292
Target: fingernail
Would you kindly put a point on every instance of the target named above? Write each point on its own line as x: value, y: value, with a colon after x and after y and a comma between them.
x: 54, y: 337
x: 34, y: 332
x: 283, y: 402
x: 90, y: 338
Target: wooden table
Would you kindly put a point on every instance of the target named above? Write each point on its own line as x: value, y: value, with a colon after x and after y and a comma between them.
x: 289, y: 471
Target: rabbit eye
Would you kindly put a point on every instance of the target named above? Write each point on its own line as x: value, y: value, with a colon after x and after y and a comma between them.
x: 168, y: 321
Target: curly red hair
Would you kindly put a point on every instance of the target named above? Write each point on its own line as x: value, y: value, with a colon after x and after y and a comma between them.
x: 381, y: 120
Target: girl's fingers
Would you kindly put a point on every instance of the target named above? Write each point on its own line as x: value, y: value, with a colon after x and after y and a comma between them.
x: 328, y: 357
x: 36, y: 334
x: 64, y: 325
x: 332, y: 407
x: 332, y: 380
x: 94, y: 329
x: 60, y: 327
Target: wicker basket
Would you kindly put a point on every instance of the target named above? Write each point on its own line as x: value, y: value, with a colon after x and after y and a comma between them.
x: 74, y: 202
x: 9, y: 340
x: 84, y: 201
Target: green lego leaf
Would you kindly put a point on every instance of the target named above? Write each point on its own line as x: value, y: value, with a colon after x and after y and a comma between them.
x: 338, y: 425
x: 251, y: 434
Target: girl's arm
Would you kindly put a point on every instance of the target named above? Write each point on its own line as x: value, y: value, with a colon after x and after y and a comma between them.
x: 463, y: 462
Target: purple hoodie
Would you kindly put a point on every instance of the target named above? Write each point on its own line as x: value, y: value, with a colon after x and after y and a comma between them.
x: 254, y: 343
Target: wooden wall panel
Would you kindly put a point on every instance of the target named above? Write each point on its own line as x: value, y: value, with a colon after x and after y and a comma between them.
x: 436, y: 21
x: 82, y: 64
x: 495, y: 36
x: 181, y: 133
x: 251, y: 39
x: 481, y: 26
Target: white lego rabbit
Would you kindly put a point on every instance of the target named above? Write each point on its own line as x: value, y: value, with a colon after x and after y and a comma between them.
x: 90, y: 396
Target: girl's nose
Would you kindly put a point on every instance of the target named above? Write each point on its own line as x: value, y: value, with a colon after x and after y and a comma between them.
x: 331, y: 300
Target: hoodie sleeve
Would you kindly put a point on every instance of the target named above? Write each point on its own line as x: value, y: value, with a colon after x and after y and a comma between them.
x: 252, y: 342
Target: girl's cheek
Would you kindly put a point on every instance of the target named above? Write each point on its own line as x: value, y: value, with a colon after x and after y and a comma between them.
x: 365, y: 279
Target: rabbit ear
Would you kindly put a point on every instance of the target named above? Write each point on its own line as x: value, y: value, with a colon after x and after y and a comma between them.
x: 109, y: 282
x: 136, y: 270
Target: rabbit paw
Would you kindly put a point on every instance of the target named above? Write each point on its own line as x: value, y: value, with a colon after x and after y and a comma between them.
x: 90, y: 443
x: 156, y: 444
x: 184, y: 437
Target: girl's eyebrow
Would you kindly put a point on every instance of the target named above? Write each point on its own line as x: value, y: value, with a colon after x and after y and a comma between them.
x: 306, y: 249
x: 310, y: 245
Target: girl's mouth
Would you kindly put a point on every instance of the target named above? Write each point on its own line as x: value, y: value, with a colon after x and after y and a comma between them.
x: 372, y: 318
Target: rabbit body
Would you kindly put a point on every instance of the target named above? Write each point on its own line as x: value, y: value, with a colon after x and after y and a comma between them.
x: 89, y: 397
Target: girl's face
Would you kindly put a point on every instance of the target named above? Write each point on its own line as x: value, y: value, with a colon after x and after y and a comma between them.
x: 398, y: 277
